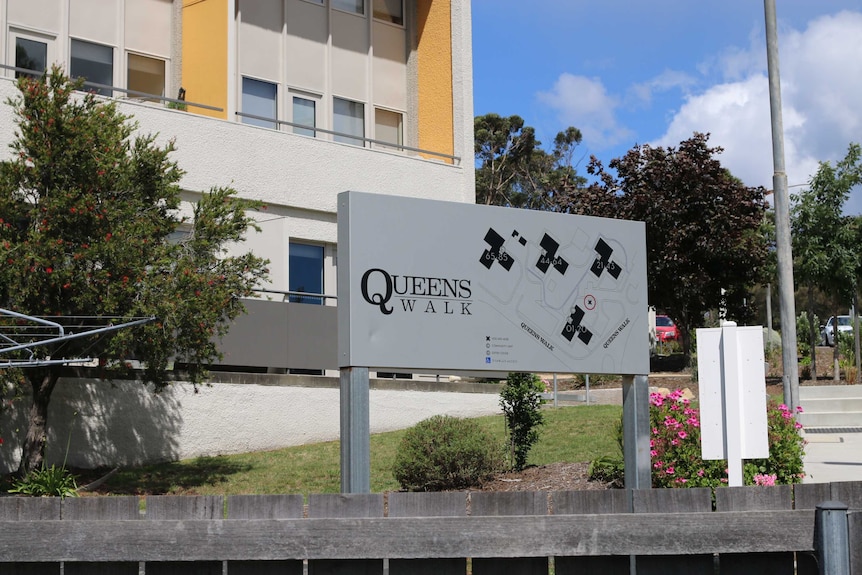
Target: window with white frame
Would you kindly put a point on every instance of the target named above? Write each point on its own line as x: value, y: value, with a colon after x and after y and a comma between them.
x: 30, y: 55
x: 389, y: 11
x: 146, y: 74
x: 352, y: 6
x: 304, y: 113
x: 94, y: 63
x: 388, y: 126
x: 259, y: 98
x: 348, y: 119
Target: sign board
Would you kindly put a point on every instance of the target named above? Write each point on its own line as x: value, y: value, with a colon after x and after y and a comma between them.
x: 732, y: 388
x: 425, y: 284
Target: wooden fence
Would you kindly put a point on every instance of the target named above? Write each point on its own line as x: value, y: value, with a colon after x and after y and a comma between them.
x: 762, y: 530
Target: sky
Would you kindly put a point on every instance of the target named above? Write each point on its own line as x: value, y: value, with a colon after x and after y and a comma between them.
x: 629, y: 72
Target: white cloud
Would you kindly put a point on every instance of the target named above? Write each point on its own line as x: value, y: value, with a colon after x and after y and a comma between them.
x: 736, y: 115
x: 585, y: 103
x: 667, y: 80
x: 821, y: 80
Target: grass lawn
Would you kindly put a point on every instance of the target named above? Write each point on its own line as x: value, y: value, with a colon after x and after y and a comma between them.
x: 570, y: 434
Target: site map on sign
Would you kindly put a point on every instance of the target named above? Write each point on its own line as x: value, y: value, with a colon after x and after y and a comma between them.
x: 572, y: 294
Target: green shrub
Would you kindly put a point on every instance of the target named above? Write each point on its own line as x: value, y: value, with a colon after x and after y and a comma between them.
x: 610, y: 470
x: 445, y: 452
x: 47, y: 482
x: 803, y: 333
x: 676, y: 453
x: 521, y: 402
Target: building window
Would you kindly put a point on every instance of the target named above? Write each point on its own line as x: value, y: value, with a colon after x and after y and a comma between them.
x: 388, y: 127
x: 259, y: 99
x: 94, y: 63
x: 304, y: 113
x: 30, y: 55
x: 348, y: 119
x: 305, y: 268
x: 389, y: 11
x: 146, y: 75
x: 352, y: 6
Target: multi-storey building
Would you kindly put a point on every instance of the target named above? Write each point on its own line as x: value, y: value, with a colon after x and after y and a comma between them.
x: 288, y: 101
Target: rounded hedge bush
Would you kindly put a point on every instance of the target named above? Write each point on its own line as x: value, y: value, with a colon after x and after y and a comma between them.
x: 445, y: 452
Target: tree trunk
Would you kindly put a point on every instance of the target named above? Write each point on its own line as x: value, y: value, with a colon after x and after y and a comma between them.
x: 42, y: 381
x: 836, y: 369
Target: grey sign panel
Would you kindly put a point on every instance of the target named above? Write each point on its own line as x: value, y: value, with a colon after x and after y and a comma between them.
x: 424, y: 284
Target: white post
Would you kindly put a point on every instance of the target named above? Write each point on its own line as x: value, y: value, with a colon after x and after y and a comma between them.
x: 732, y: 403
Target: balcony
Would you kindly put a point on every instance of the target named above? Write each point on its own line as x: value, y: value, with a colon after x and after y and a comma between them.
x: 279, y: 167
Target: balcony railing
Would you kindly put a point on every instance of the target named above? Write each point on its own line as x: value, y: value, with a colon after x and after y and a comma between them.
x: 371, y: 142
x: 299, y: 296
x: 455, y: 159
x: 133, y: 93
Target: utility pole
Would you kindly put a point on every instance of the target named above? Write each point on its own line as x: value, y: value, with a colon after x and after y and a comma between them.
x: 782, y: 217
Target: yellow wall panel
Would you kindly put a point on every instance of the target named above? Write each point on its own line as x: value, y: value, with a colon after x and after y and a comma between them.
x: 434, y: 62
x: 205, y: 58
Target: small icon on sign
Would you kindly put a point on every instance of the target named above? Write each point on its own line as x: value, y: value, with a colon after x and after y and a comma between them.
x: 487, y: 360
x: 589, y: 302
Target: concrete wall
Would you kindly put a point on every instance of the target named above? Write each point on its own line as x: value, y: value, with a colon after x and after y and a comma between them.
x: 126, y: 424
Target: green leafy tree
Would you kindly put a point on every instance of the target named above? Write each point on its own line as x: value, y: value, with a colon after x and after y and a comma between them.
x: 705, y: 246
x: 521, y: 402
x: 824, y: 240
x: 87, y: 210
x: 514, y: 170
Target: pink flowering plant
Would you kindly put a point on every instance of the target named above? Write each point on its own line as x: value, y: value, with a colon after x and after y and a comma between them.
x: 676, y: 454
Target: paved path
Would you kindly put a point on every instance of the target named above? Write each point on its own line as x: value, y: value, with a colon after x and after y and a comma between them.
x: 833, y: 457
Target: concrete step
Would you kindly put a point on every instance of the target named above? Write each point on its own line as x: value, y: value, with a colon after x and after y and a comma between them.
x: 828, y: 391
x: 831, y: 404
x: 830, y: 419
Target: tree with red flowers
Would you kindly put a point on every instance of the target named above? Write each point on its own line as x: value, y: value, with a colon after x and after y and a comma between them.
x: 88, y: 212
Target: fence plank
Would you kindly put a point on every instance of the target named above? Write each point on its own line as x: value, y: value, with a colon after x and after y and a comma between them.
x: 353, y: 505
x: 809, y: 495
x: 264, y: 507
x: 418, y: 504
x: 589, y: 502
x: 854, y: 521
x: 596, y: 503
x: 30, y: 509
x: 100, y: 509
x: 755, y: 498
x: 847, y: 492
x: 695, y: 500
x: 520, y: 503
x: 407, y: 538
x: 170, y: 507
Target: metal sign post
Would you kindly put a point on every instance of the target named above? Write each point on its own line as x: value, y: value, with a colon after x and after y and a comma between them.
x: 355, y: 431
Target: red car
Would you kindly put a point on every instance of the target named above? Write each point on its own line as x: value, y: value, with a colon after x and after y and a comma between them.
x: 665, y: 329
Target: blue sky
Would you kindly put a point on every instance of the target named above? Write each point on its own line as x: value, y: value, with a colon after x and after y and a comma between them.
x: 629, y: 72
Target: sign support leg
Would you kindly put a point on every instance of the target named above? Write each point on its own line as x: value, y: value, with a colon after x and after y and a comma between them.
x: 355, y: 431
x: 636, y: 432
